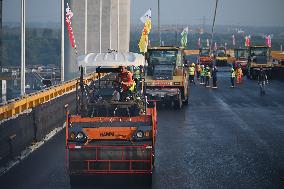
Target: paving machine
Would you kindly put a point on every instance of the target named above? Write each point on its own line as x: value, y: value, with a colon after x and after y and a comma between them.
x: 259, y: 57
x: 204, y: 57
x: 167, y: 76
x: 241, y: 58
x: 221, y: 58
x: 108, y: 134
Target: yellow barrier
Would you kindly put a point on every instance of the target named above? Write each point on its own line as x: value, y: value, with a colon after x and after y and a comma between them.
x: 16, y: 106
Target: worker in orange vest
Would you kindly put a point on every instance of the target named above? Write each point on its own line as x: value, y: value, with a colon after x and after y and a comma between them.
x: 239, y: 73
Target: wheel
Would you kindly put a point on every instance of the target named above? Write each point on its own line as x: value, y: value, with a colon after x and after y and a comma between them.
x: 178, y: 103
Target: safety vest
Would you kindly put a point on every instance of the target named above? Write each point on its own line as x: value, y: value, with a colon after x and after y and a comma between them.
x: 191, y: 71
x: 132, y: 88
x: 208, y: 74
x: 202, y: 72
x: 233, y: 73
x: 137, y: 74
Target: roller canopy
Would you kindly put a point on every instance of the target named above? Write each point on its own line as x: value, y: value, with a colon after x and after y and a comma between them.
x: 112, y: 59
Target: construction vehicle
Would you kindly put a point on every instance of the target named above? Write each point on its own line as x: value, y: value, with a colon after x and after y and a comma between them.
x: 167, y: 76
x: 204, y: 57
x: 221, y: 57
x: 259, y: 57
x: 278, y: 63
x: 110, y: 135
x: 241, y: 59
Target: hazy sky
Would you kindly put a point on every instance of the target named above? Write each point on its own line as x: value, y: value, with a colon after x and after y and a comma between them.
x: 236, y: 12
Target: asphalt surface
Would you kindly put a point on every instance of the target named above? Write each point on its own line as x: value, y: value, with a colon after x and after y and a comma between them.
x: 225, y: 138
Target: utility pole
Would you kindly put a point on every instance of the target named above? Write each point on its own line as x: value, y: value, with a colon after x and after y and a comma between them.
x: 1, y: 57
x: 159, y: 26
x: 62, y: 39
x: 23, y: 47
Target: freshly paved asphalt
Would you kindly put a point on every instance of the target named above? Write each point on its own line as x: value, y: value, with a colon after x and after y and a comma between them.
x: 225, y: 138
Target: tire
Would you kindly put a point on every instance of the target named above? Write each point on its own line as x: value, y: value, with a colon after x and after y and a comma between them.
x: 178, y: 103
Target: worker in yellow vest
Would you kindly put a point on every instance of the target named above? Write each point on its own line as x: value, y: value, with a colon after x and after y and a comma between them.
x: 191, y: 73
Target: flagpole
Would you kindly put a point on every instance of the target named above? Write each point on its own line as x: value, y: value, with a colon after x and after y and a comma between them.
x: 212, y: 32
x: 23, y: 46
x: 62, y: 40
x: 159, y: 29
x: 100, y: 26
x: 118, y: 25
x: 86, y: 26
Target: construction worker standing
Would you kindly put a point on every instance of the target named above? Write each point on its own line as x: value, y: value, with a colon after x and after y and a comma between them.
x: 214, y: 77
x: 191, y: 73
x: 202, y: 75
x: 233, y: 76
x: 207, y: 76
x: 198, y: 70
x: 239, y: 73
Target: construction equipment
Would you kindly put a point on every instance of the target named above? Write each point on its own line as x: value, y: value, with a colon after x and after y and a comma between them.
x: 221, y: 57
x: 110, y: 135
x: 204, y: 57
x: 241, y: 59
x: 259, y: 57
x: 167, y: 76
x: 278, y: 63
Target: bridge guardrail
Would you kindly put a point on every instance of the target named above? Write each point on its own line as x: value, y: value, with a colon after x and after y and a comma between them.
x: 19, y: 105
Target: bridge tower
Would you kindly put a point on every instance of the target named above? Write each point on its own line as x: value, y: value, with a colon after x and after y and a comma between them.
x: 98, y: 25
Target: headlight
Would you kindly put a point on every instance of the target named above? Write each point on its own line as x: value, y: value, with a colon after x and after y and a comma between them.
x: 139, y: 134
x: 80, y: 136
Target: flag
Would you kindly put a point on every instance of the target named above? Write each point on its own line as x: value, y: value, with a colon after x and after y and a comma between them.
x: 207, y: 43
x: 234, y: 40
x: 268, y: 40
x: 69, y: 15
x: 184, y: 34
x: 143, y: 43
x: 247, y: 41
x: 215, y: 47
x: 225, y: 46
x: 146, y: 16
x: 199, y: 43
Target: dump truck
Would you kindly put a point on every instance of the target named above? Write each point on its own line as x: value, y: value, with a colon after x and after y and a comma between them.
x: 241, y: 59
x: 167, y: 76
x: 221, y: 58
x: 204, y: 57
x: 108, y: 134
x: 259, y: 57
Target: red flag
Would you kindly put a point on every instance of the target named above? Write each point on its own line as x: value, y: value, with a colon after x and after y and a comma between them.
x: 247, y: 43
x: 268, y: 40
x: 69, y: 15
x: 234, y: 40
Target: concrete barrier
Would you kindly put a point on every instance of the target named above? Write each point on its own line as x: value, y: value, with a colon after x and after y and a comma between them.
x: 18, y: 133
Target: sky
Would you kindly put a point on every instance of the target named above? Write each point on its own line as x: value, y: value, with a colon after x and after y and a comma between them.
x: 189, y: 12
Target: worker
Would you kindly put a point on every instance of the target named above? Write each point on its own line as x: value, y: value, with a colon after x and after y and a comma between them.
x: 262, y: 80
x: 202, y: 75
x: 137, y: 76
x: 239, y: 73
x: 126, y: 80
x: 207, y: 76
x: 214, y: 77
x: 233, y: 76
x: 191, y: 72
x: 198, y: 70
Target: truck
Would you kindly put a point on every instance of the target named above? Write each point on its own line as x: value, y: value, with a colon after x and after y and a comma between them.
x: 221, y: 58
x: 259, y: 57
x: 241, y: 59
x: 167, y: 76
x: 204, y: 57
x: 110, y: 135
